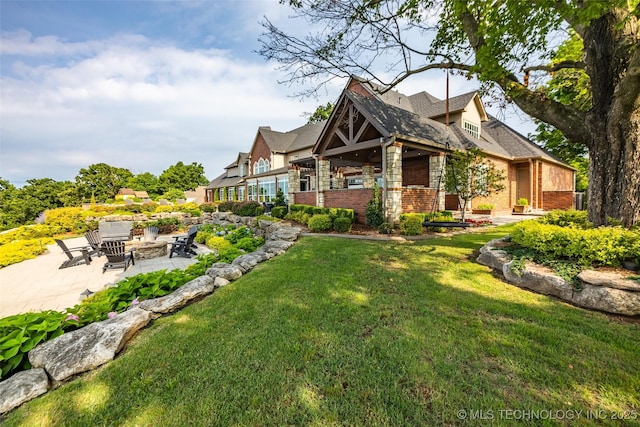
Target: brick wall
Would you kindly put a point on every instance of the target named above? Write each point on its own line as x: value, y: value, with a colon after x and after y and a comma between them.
x: 304, y: 198
x: 418, y: 200
x: 557, y: 200
x: 260, y: 150
x: 355, y: 199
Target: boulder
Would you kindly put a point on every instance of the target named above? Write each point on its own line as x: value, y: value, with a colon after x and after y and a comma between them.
x: 220, y: 282
x: 280, y: 231
x: 89, y: 347
x: 276, y: 247
x: 203, y: 285
x: 22, y: 387
x: 604, y: 291
x: 224, y: 270
x: 247, y: 261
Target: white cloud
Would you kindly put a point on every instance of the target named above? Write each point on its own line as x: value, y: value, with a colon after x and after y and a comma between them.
x: 134, y: 102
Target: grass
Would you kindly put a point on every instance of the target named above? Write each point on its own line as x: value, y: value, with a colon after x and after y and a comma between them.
x: 350, y: 332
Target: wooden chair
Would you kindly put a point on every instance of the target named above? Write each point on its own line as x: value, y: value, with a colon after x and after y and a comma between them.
x: 184, y: 246
x: 117, y: 256
x: 83, y: 258
x: 95, y: 241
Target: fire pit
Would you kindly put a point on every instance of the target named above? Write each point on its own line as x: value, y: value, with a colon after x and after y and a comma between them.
x: 148, y: 250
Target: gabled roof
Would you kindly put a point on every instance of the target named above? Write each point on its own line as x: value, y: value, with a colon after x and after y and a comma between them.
x: 242, y: 157
x: 224, y: 181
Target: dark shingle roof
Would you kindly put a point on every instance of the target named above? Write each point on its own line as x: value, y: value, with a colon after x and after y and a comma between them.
x: 297, y: 139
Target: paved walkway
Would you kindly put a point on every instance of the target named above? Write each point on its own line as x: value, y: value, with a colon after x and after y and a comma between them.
x: 37, y: 284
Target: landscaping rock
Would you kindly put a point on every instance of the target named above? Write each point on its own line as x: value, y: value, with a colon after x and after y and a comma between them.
x: 280, y: 231
x: 87, y: 348
x: 610, y: 279
x: 247, y: 261
x: 220, y: 282
x: 604, y: 291
x: 22, y: 387
x: 276, y: 247
x: 224, y: 270
x: 203, y: 285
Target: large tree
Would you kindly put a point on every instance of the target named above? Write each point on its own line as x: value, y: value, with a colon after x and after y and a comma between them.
x: 504, y: 44
x: 183, y: 177
x: 101, y: 181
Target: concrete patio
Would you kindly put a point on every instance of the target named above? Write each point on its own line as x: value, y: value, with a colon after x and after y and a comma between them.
x: 38, y: 284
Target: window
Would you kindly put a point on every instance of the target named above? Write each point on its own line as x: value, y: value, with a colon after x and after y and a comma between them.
x: 241, y: 194
x: 261, y: 166
x: 283, y: 184
x: 481, y: 180
x: 231, y: 193
x: 252, y: 191
x: 471, y: 128
x: 241, y: 169
x: 266, y: 189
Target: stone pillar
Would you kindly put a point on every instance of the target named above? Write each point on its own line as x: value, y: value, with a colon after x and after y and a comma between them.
x: 368, y: 175
x: 393, y: 199
x: 294, y: 183
x: 437, y: 167
x: 338, y: 180
x: 324, y: 179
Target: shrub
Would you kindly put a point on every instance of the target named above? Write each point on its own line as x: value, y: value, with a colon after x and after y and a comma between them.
x: 20, y: 250
x: 218, y: 243
x: 342, y: 225
x: 385, y: 228
x: 443, y: 216
x: 411, y: 226
x: 569, y: 218
x: 485, y: 207
x: 250, y: 208
x: 27, y: 232
x: 209, y: 207
x: 249, y: 244
x: 68, y: 219
x: 374, y: 214
x: 320, y: 222
x: 405, y: 216
x: 603, y: 246
x: 522, y: 201
x: 226, y: 206
x: 299, y: 216
x: 279, y: 211
x: 280, y: 199
x: 239, y: 233
x: 164, y: 209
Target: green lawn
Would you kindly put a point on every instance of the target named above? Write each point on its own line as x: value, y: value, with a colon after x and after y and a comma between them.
x: 350, y: 332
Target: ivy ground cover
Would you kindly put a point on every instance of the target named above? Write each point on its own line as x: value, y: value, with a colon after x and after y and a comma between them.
x: 349, y: 332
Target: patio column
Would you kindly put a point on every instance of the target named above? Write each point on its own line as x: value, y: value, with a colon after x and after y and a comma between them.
x: 294, y: 183
x: 324, y: 179
x: 368, y: 175
x: 437, y: 166
x: 393, y: 178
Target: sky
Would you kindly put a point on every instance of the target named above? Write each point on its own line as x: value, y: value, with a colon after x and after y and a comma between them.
x: 144, y: 84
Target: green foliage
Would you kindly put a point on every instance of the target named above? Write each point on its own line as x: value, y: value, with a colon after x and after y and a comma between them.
x: 485, y: 207
x: 385, y: 228
x: 249, y: 244
x: 27, y: 232
x: 209, y: 207
x: 522, y: 201
x: 279, y: 211
x: 320, y: 222
x: 420, y: 216
x: 183, y: 177
x: 172, y: 194
x: 22, y: 332
x: 247, y: 208
x: 218, y: 243
x: 298, y: 216
x: 68, y: 219
x: 145, y: 181
x: 322, y: 113
x: 603, y: 246
x: 342, y: 225
x: 374, y: 213
x: 280, y: 199
x: 20, y: 250
x: 440, y: 216
x: 568, y: 218
x: 411, y: 226
x: 236, y: 234
x: 101, y: 181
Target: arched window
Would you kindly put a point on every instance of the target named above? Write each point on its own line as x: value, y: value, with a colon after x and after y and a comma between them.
x: 261, y: 166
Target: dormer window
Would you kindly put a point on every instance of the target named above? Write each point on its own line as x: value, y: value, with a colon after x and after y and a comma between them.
x: 471, y: 128
x: 261, y: 166
x: 241, y: 169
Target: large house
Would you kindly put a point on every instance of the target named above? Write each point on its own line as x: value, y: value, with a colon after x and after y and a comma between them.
x: 400, y: 142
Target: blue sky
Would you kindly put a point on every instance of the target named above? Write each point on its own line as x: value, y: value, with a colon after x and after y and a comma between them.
x: 145, y: 84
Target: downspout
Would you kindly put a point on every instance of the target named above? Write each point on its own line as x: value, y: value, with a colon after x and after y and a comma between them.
x: 531, y: 180
x: 384, y: 174
x: 315, y: 157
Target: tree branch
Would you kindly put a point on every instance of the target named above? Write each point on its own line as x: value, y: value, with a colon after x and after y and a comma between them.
x: 555, y: 67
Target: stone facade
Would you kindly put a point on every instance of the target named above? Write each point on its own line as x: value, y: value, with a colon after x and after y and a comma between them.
x: 393, y: 192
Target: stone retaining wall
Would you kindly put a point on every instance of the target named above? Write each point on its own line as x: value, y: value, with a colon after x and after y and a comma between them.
x: 604, y: 291
x: 59, y: 360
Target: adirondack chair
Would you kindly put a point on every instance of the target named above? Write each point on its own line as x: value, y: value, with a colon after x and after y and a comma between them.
x: 94, y: 239
x: 150, y: 234
x: 193, y: 230
x: 83, y: 258
x: 117, y: 256
x: 184, y: 246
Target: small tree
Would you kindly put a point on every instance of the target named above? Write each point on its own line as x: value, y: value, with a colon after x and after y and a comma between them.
x: 470, y: 174
x: 280, y: 200
x: 374, y: 213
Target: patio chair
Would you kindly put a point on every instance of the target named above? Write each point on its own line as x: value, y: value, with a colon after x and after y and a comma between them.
x: 83, y: 258
x: 184, y: 246
x: 150, y: 234
x: 193, y: 230
x: 117, y: 255
x: 94, y: 239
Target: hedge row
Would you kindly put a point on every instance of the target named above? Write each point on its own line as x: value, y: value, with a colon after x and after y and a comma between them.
x: 603, y: 246
x: 249, y: 208
x: 332, y: 212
